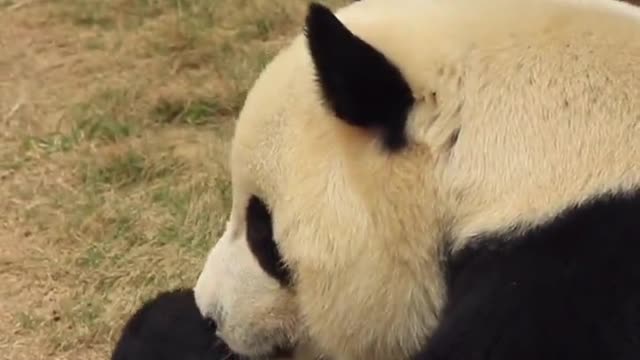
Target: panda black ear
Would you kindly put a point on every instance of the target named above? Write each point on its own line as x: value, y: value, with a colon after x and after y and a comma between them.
x: 360, y: 85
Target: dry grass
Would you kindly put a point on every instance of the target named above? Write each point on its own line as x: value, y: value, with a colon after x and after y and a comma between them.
x: 115, y: 118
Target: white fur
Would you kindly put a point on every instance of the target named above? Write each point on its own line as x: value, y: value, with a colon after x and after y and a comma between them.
x: 546, y: 96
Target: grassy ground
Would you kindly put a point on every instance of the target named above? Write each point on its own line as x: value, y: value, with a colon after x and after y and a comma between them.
x: 115, y: 118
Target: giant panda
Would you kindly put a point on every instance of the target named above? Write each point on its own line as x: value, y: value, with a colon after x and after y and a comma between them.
x: 441, y: 180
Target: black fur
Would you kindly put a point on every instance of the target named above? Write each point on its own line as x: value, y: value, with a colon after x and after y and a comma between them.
x: 262, y: 243
x: 169, y: 327
x: 566, y: 290
x: 361, y: 86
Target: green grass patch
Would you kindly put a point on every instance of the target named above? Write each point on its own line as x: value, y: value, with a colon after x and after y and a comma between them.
x: 196, y: 112
x: 87, y: 13
x: 51, y: 143
x: 107, y: 117
x: 127, y: 169
x: 95, y: 43
x: 28, y: 321
x: 112, y: 14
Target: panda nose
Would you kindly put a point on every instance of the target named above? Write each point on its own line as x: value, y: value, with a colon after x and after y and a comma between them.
x: 213, y: 319
x: 212, y: 324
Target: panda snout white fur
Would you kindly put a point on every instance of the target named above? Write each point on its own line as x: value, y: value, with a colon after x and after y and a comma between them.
x: 254, y: 312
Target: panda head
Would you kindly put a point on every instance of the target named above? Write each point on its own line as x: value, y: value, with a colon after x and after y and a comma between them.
x: 321, y: 156
x: 383, y: 135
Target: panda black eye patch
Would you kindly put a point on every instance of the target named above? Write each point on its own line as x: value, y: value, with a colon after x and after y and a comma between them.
x: 262, y: 243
